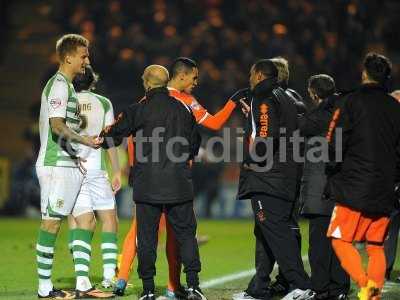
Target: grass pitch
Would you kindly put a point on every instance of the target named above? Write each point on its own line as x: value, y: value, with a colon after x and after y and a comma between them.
x: 230, y: 250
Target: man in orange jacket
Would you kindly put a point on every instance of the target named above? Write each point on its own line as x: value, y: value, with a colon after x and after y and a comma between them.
x: 184, y: 78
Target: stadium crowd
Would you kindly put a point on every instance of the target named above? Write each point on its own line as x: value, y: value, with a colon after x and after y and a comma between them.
x: 225, y: 37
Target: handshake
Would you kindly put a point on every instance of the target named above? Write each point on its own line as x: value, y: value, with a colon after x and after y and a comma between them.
x: 92, y: 141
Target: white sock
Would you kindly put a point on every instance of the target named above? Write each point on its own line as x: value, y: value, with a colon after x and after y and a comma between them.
x: 45, y: 287
x: 109, y: 273
x: 83, y: 283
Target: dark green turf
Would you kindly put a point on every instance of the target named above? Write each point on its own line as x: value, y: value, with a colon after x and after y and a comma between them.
x: 229, y: 250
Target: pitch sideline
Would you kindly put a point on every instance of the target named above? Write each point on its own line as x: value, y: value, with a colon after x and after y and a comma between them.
x: 235, y: 276
x: 243, y: 274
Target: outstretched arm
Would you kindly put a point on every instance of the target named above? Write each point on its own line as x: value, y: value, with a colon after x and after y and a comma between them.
x: 125, y: 124
x: 59, y: 127
x: 215, y: 122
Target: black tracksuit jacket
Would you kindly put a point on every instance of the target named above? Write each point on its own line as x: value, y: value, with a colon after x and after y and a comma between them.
x: 271, y: 109
x: 157, y: 178
x: 370, y: 120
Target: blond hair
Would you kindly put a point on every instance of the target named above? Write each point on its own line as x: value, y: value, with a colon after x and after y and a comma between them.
x: 283, y: 69
x: 68, y: 44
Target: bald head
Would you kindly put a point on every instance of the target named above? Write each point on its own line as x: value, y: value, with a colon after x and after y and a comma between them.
x: 396, y: 94
x: 155, y: 76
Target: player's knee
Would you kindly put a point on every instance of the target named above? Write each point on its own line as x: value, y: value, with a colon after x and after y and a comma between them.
x: 109, y: 220
x: 51, y: 226
x: 86, y: 221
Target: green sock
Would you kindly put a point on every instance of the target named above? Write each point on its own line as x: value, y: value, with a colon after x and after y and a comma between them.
x: 45, y: 254
x: 82, y: 250
x: 109, y: 251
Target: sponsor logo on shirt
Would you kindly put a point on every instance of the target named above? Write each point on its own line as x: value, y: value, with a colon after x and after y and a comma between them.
x: 55, y: 103
x: 264, y: 120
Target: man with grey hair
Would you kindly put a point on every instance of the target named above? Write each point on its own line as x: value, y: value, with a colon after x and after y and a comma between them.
x: 282, y: 65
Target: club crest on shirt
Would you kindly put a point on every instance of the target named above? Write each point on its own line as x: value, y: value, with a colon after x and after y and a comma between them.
x: 55, y: 103
x: 60, y: 203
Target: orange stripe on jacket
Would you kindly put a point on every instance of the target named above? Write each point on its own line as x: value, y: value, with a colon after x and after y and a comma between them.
x: 332, y: 124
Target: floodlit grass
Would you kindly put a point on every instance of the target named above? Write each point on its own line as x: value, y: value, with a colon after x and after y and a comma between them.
x: 229, y: 250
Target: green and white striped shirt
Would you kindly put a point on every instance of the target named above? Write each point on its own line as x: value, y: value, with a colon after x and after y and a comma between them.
x: 59, y: 100
x: 96, y: 112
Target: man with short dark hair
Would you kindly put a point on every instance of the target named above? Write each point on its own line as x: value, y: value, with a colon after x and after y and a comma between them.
x: 329, y: 280
x: 270, y: 183
x: 280, y: 286
x: 364, y: 186
x: 184, y: 77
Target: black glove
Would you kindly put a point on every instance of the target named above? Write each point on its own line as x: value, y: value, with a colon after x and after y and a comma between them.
x: 241, y: 94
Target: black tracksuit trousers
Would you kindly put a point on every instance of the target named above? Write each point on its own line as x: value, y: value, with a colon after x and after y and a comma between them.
x: 183, y: 222
x: 327, y: 275
x: 275, y: 242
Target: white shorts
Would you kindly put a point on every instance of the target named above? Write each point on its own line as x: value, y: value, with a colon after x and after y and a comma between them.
x: 96, y: 193
x: 59, y: 188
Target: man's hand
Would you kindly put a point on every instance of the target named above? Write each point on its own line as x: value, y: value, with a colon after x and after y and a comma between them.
x: 92, y: 141
x: 241, y: 94
x: 116, y: 182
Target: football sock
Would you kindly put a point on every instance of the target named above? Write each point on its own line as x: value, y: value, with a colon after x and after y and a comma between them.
x: 128, y: 252
x: 376, y: 264
x: 351, y: 261
x: 81, y: 251
x: 109, y: 251
x: 44, y: 258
